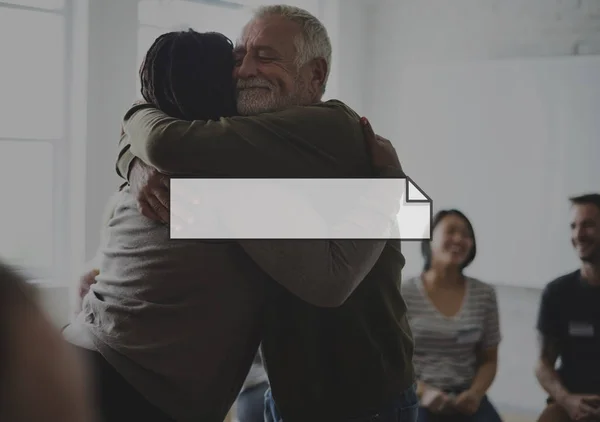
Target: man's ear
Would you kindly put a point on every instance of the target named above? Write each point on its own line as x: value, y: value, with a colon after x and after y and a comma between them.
x: 319, y: 73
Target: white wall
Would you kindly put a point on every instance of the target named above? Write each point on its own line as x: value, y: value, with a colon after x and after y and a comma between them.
x: 346, y: 24
x: 104, y: 79
x: 111, y: 90
x: 403, y: 33
x: 507, y: 141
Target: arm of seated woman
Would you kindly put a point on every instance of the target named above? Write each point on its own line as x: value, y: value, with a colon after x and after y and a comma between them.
x: 469, y: 400
x: 433, y: 399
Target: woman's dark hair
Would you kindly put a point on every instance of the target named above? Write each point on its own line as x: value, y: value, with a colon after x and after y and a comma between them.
x: 437, y: 219
x: 189, y: 75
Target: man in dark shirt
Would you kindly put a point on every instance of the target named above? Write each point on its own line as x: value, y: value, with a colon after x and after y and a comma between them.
x: 569, y: 325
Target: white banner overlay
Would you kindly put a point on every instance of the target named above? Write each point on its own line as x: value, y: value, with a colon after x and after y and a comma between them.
x: 299, y: 209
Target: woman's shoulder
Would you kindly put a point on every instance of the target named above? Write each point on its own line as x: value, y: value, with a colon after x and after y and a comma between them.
x: 481, y: 288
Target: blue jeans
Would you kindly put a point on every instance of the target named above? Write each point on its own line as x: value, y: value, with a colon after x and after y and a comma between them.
x: 250, y: 406
x: 486, y: 413
x: 404, y: 410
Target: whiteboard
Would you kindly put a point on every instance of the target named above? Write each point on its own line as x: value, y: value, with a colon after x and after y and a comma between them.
x: 507, y: 142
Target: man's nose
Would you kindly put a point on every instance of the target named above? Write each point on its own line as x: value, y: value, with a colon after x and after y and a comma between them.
x: 247, y: 68
x: 458, y: 238
x: 579, y: 234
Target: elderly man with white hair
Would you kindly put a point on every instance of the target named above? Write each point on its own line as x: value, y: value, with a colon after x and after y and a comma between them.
x: 333, y: 326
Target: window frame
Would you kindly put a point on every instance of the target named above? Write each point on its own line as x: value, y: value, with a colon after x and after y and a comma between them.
x: 209, y: 4
x: 61, y: 160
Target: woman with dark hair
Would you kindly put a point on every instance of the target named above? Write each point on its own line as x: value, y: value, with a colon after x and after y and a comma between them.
x: 188, y: 75
x: 454, y: 320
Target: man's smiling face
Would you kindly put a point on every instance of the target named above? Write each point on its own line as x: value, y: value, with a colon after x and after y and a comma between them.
x: 269, y: 78
x: 585, y: 232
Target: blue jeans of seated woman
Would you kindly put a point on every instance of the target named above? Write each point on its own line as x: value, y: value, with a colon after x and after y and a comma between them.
x: 486, y: 413
x: 403, y: 410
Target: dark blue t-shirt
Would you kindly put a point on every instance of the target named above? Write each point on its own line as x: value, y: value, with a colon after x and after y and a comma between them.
x: 570, y: 313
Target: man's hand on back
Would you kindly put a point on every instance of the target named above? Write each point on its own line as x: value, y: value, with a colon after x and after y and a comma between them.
x: 382, y: 152
x: 151, y: 189
x: 85, y: 282
x: 582, y: 407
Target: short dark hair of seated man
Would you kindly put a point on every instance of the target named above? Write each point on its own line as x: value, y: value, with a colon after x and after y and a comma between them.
x: 182, y: 84
x: 569, y: 324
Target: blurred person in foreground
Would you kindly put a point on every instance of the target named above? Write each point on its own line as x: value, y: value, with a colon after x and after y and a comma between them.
x: 41, y: 377
x: 454, y: 319
x: 569, y: 325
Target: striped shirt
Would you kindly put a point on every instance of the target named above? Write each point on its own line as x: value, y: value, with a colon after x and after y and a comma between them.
x: 446, y: 348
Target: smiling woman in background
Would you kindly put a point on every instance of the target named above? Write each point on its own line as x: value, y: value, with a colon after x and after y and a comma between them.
x: 454, y: 319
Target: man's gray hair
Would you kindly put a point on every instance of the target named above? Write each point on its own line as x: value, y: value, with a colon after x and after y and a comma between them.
x: 314, y: 41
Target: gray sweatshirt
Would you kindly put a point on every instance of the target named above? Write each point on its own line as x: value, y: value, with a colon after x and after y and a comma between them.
x: 182, y: 330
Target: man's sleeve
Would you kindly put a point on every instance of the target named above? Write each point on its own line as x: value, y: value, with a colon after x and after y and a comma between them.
x: 548, y: 322
x: 297, y: 142
x: 292, y: 142
x: 326, y: 272
x: 125, y: 158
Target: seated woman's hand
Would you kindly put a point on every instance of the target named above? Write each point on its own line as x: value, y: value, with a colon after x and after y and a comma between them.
x: 468, y: 402
x: 436, y: 401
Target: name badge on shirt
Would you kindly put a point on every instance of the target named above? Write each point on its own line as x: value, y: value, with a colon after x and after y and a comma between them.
x: 468, y: 335
x: 581, y: 329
